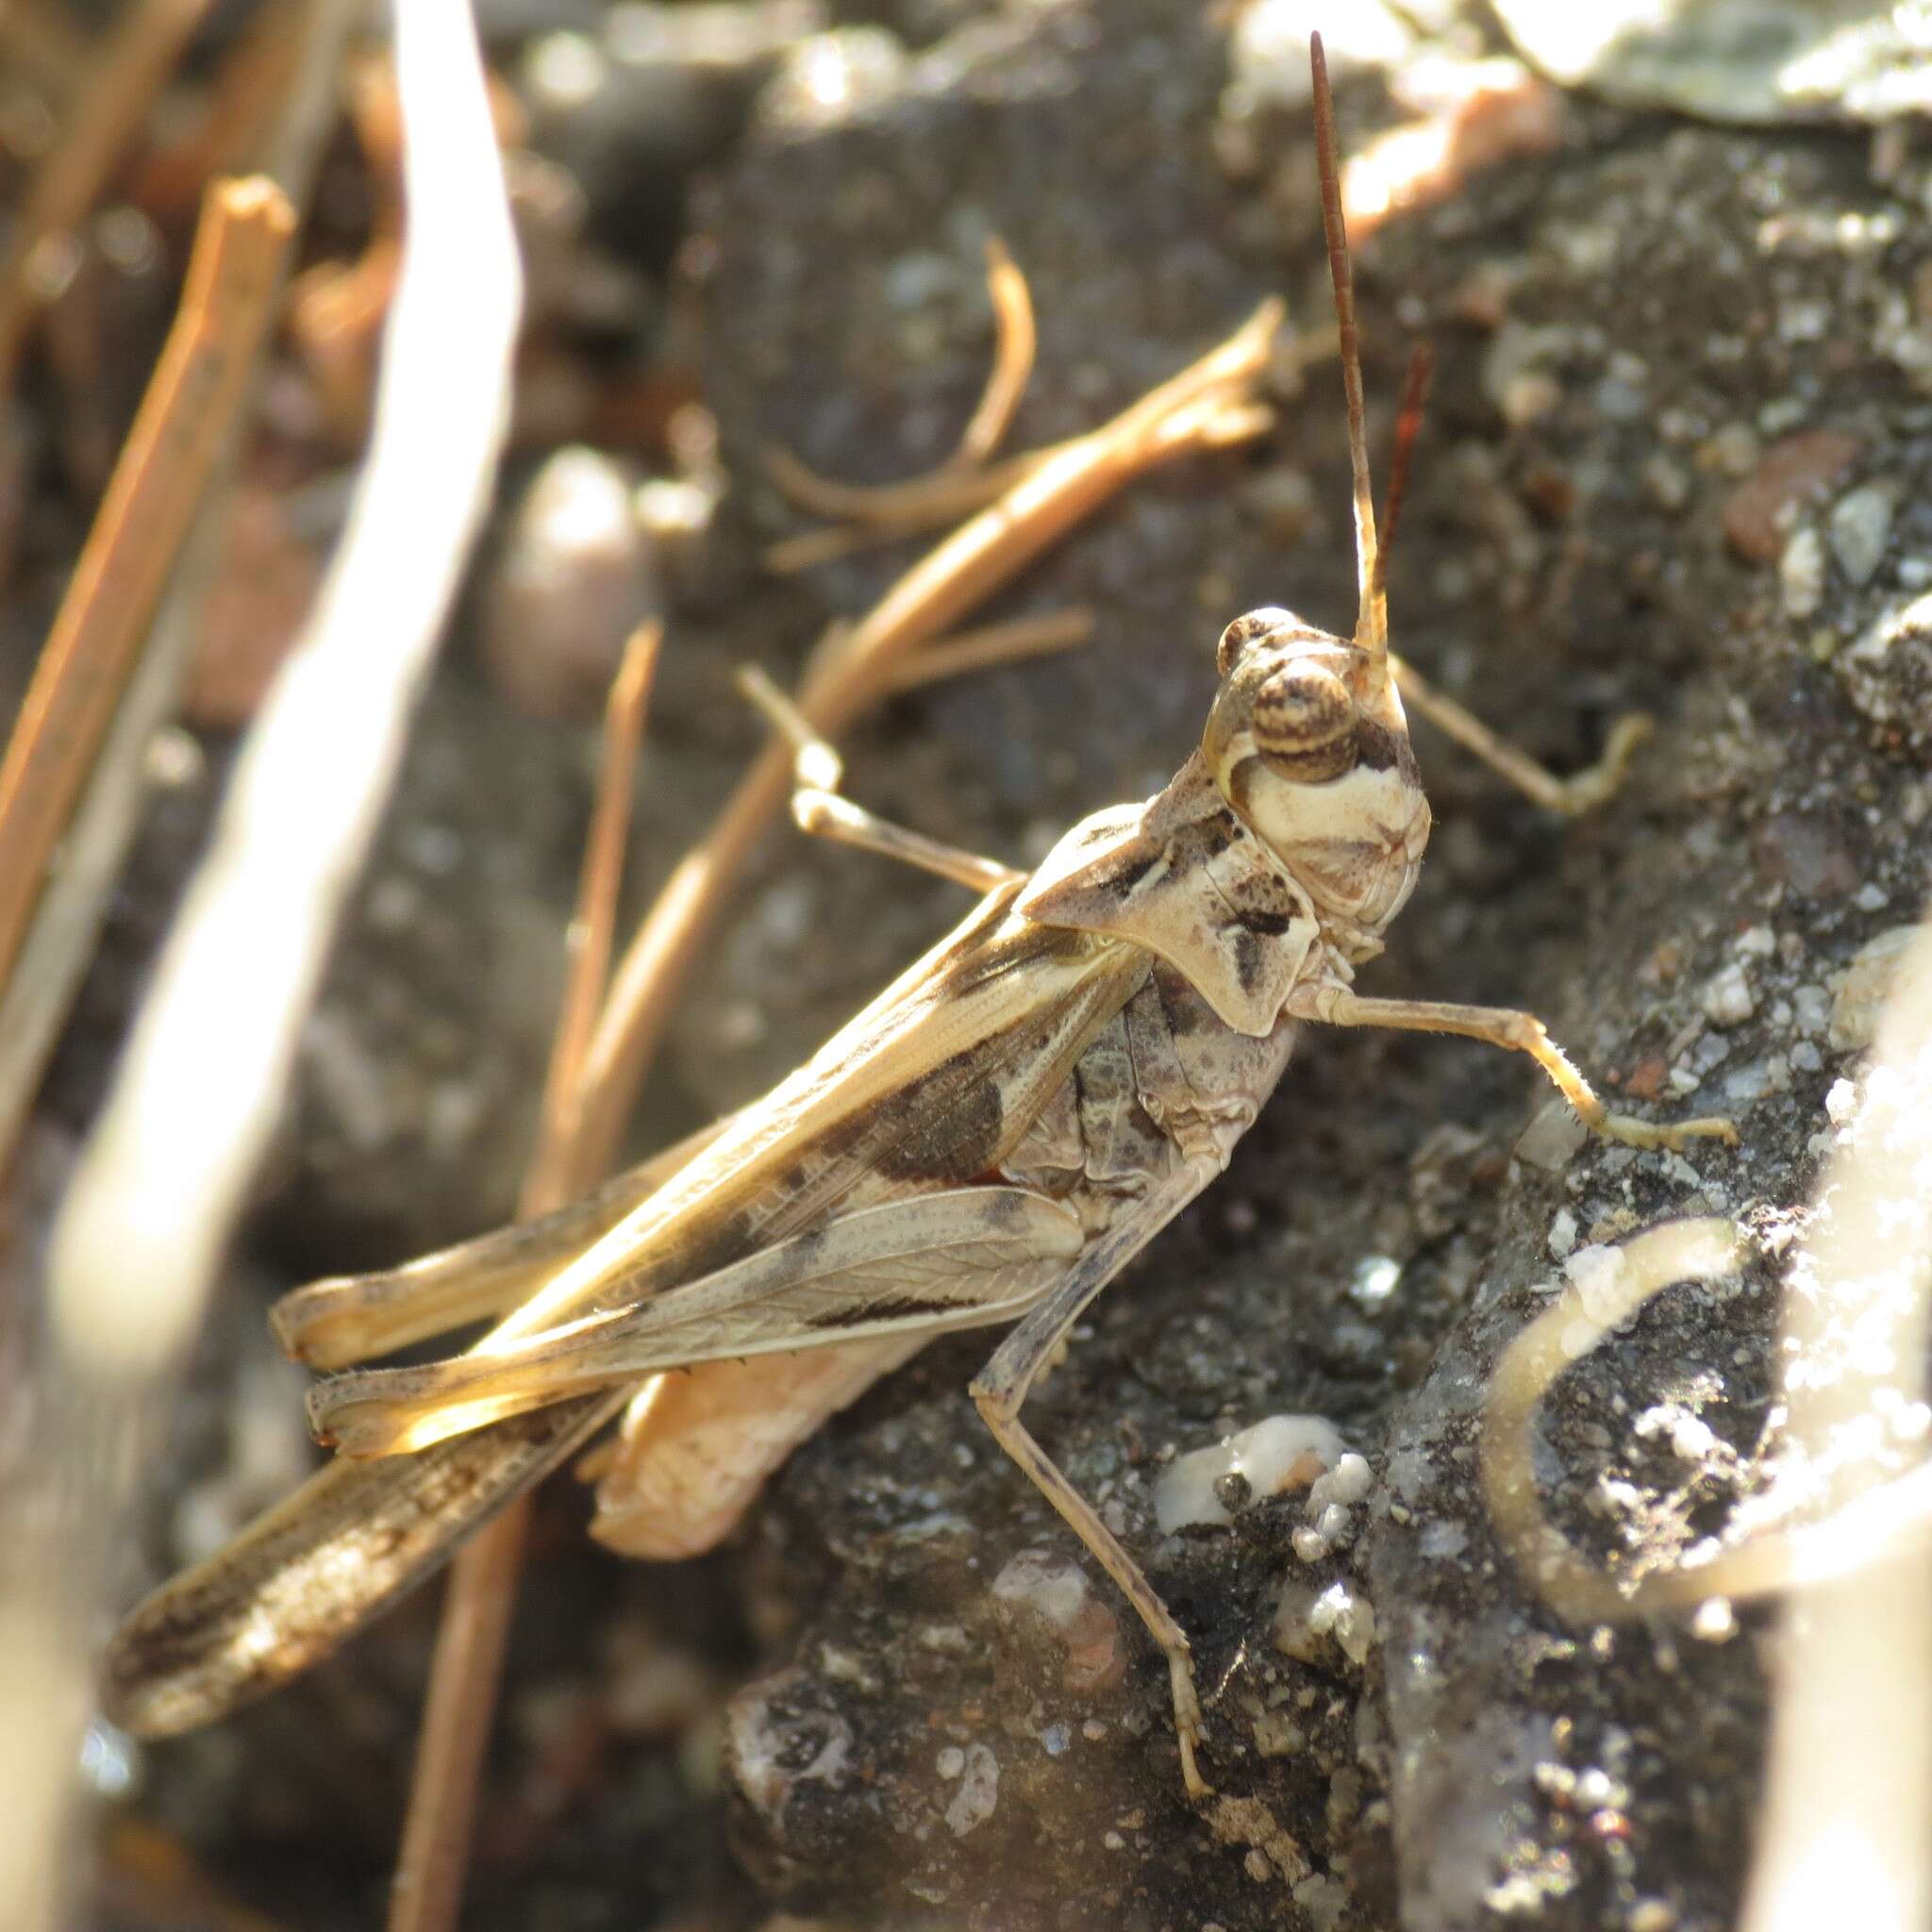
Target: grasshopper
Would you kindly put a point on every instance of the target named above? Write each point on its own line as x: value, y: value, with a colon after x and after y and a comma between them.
x: 990, y: 1140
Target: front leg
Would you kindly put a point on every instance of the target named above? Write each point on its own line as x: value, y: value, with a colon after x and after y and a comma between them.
x: 1519, y: 1033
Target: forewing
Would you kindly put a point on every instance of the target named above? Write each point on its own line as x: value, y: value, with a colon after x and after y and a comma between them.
x: 991, y: 998
x: 353, y: 1318
x: 961, y: 1259
x: 927, y: 1089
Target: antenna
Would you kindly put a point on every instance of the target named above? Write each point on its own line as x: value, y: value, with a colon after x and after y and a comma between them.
x: 1371, y: 624
x: 1408, y: 421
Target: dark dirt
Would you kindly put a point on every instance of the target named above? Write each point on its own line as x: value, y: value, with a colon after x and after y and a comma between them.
x: 900, y: 1748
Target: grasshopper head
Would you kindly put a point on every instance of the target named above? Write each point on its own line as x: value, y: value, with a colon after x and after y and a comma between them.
x: 1307, y: 742
x: 1307, y: 738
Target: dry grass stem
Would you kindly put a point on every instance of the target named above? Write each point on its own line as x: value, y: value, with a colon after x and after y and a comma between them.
x: 894, y: 504
x: 185, y: 422
x: 991, y: 645
x: 888, y: 513
x: 120, y: 81
x: 1575, y: 1587
x: 925, y: 504
x: 566, y: 1163
x: 1017, y: 341
x: 855, y: 668
x: 480, y: 1600
x: 69, y: 912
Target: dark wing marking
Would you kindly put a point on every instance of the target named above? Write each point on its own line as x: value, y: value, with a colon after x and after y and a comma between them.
x: 353, y: 1318
x: 962, y: 1258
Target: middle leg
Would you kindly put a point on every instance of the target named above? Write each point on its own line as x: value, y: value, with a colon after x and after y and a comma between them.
x: 819, y: 807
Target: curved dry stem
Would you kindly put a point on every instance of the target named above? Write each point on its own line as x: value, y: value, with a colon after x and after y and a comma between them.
x: 1574, y: 1586
x: 914, y: 503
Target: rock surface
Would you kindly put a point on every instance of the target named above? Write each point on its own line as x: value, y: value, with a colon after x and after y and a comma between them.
x: 1399, y: 1732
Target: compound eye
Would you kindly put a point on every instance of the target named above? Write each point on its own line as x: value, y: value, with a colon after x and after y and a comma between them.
x: 1305, y: 717
x: 1244, y: 631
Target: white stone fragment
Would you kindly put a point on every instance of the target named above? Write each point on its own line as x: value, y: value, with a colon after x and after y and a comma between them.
x: 1308, y: 1626
x: 1562, y: 1237
x: 1376, y: 1278
x: 1594, y: 1271
x: 1343, y: 1486
x: 1810, y: 1010
x: 1054, y: 1589
x: 979, y: 1792
x: 1728, y: 999
x: 1801, y: 573
x: 1333, y: 1525
x: 1281, y: 1452
x: 1860, y: 523
x: 1715, y: 1621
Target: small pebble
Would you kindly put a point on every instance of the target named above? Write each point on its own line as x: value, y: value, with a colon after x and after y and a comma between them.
x: 1308, y: 1625
x: 1594, y: 1271
x: 1553, y: 1138
x: 1342, y: 1487
x: 1728, y: 999
x: 1801, y: 573
x: 1860, y: 523
x: 978, y: 1794
x: 1282, y: 1452
x: 573, y: 577
x: 1715, y: 1621
x: 1376, y: 1278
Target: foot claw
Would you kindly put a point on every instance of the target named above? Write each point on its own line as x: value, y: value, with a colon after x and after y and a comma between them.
x: 1186, y: 1725
x: 1672, y: 1134
x: 1585, y: 789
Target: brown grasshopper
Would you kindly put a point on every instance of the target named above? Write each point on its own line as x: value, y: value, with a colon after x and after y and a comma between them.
x: 991, y: 1140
